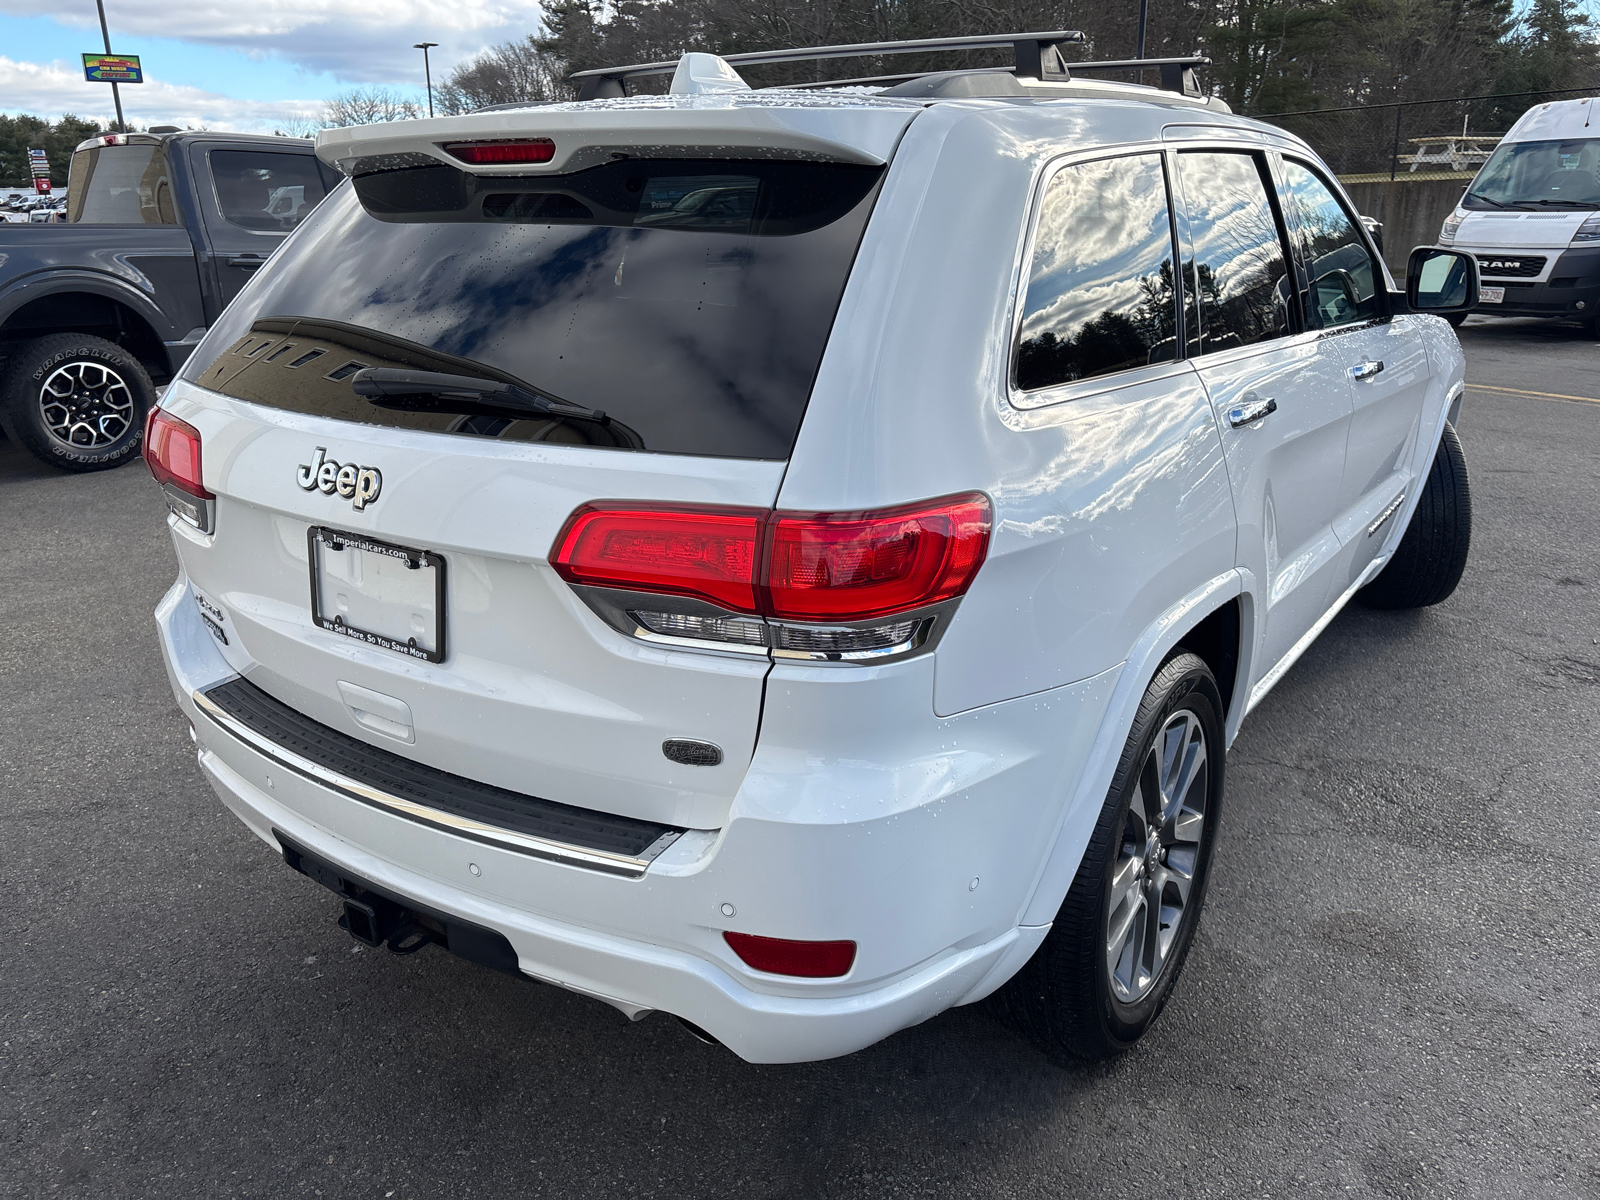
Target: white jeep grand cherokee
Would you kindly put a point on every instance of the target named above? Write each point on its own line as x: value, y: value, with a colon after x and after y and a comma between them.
x: 795, y: 560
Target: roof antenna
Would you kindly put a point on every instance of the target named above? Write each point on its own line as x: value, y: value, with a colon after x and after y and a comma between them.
x: 1588, y: 112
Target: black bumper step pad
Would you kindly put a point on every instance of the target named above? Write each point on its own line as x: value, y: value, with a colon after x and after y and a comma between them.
x: 383, y: 771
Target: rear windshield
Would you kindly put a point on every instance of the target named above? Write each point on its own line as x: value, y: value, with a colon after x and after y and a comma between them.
x: 682, y: 304
x: 120, y: 185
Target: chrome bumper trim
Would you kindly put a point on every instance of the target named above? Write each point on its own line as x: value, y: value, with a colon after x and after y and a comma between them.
x: 630, y: 866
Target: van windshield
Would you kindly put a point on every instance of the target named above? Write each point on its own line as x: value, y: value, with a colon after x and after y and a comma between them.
x: 1539, y: 175
x: 686, y: 301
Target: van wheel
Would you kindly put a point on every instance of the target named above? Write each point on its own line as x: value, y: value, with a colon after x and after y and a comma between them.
x: 1428, y: 563
x: 1106, y: 969
x: 74, y: 401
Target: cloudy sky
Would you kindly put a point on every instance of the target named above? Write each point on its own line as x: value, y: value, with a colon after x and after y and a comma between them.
x: 237, y: 64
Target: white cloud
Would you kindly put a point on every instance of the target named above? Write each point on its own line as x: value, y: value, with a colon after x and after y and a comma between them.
x: 52, y: 88
x: 357, y: 40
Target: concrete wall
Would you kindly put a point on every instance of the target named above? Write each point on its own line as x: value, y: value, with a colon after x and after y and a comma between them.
x: 1410, y: 208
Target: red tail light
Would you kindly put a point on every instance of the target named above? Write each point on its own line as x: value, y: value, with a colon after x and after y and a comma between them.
x: 825, y: 567
x: 811, y: 567
x: 780, y: 956
x: 488, y: 154
x: 709, y: 554
x: 172, y: 452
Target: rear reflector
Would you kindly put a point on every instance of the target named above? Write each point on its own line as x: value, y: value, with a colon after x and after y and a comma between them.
x: 488, y: 154
x: 810, y: 567
x: 709, y: 554
x: 806, y: 960
x: 172, y: 452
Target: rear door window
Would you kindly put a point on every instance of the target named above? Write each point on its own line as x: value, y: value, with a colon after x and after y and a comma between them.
x: 267, y: 192
x: 1100, y: 293
x: 688, y: 301
x: 1238, y: 274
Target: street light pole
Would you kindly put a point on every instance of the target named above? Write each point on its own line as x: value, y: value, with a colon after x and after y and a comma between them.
x: 116, y: 96
x: 1144, y: 20
x: 427, y: 72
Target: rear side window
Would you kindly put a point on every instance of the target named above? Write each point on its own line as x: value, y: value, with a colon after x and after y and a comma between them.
x: 1100, y: 285
x: 120, y: 185
x: 687, y: 300
x: 266, y: 192
x: 1238, y: 271
x: 1344, y: 279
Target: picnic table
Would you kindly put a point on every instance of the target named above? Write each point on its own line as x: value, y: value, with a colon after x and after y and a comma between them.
x: 1452, y: 151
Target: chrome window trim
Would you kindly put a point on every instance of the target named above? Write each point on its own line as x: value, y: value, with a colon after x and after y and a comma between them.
x: 625, y: 865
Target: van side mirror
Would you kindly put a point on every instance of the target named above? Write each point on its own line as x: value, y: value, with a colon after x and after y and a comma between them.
x: 1441, y: 281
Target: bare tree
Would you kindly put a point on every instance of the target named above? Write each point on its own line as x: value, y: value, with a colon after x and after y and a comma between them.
x: 296, y: 126
x: 368, y: 106
x: 504, y: 74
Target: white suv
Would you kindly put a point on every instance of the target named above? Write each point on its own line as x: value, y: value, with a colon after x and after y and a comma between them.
x: 794, y: 560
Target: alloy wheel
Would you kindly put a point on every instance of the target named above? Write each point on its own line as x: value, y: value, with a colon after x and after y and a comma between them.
x: 86, y: 405
x: 1154, y: 875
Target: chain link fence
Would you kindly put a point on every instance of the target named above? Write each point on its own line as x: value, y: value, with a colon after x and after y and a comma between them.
x: 1439, y: 139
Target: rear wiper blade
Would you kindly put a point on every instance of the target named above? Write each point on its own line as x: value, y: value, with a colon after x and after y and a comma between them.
x: 384, y: 385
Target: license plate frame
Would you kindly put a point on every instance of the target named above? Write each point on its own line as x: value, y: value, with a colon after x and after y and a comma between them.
x: 339, y: 539
x: 1491, y: 295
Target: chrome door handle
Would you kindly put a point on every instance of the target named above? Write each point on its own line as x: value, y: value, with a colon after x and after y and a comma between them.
x: 1367, y: 369
x: 1250, y: 412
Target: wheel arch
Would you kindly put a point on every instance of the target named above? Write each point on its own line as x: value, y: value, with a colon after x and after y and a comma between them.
x: 93, y: 308
x: 1216, y: 622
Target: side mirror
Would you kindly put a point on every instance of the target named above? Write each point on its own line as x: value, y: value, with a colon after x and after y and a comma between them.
x: 1441, y: 281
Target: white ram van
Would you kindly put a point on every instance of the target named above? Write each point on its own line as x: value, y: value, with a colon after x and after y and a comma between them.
x: 1532, y: 218
x: 795, y: 559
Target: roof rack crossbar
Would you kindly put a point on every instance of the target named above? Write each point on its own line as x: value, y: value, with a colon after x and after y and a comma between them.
x: 1037, y: 55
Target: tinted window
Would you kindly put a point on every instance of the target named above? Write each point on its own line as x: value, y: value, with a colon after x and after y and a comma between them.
x: 1343, y: 275
x: 689, y: 301
x: 1100, y: 287
x: 1237, y: 273
x: 120, y: 185
x: 265, y: 191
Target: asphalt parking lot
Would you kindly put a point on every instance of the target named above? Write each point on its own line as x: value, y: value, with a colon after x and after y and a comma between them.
x: 1395, y: 990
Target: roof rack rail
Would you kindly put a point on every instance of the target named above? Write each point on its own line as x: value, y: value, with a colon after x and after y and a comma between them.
x: 1177, y: 74
x: 1037, y: 55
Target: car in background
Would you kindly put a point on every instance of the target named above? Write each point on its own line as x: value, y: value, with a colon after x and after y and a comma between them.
x: 1532, y: 218
x: 103, y: 301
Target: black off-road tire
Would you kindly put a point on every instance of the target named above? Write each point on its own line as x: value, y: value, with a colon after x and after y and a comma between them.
x: 1063, y: 998
x: 1428, y: 563
x: 112, y: 413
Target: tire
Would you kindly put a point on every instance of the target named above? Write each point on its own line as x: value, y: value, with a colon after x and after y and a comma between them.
x: 1428, y: 563
x: 102, y: 396
x: 1456, y: 319
x: 1079, y: 994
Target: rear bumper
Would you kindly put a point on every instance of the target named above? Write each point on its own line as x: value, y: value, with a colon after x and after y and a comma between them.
x: 903, y: 879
